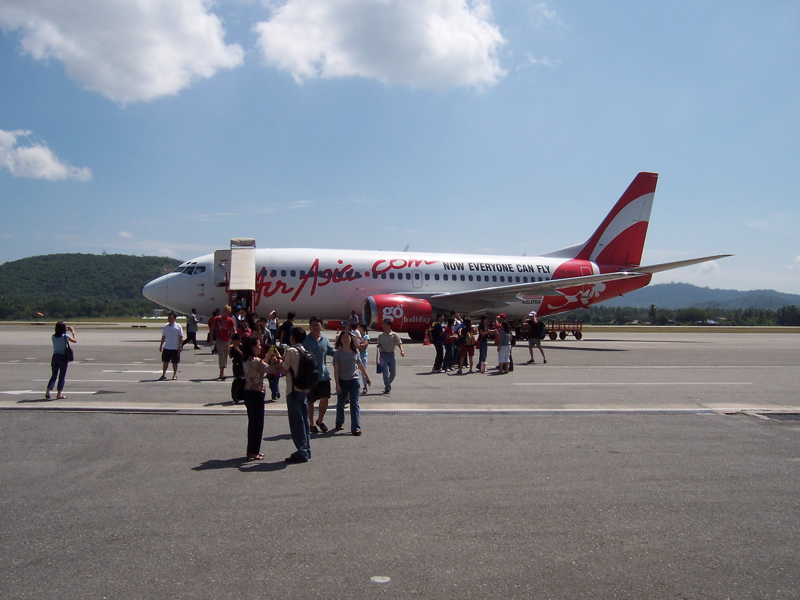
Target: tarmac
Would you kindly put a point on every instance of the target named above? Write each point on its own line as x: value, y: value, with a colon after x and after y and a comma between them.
x: 652, y: 465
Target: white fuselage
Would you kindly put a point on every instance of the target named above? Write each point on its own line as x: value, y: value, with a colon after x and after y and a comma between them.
x: 331, y: 283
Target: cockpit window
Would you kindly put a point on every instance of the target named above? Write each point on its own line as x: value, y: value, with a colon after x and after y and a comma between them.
x: 199, y: 270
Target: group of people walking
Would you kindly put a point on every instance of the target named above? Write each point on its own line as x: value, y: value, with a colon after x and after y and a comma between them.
x: 264, y: 349
x: 456, y: 340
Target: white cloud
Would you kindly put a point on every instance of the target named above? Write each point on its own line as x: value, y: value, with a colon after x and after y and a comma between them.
x: 710, y: 266
x: 127, y: 50
x: 542, y: 16
x: 421, y: 43
x: 35, y: 161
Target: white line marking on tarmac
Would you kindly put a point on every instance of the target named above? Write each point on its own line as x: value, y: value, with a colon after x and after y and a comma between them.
x: 567, y: 383
x: 19, y: 392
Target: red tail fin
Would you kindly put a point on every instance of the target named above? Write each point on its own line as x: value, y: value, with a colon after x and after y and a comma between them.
x: 619, y: 241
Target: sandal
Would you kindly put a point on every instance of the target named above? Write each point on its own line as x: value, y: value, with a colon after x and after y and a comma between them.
x: 255, y: 456
x: 61, y: 397
x: 313, y: 429
x: 322, y: 426
x: 47, y: 395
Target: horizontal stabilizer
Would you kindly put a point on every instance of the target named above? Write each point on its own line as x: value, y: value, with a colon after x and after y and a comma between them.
x: 492, y: 298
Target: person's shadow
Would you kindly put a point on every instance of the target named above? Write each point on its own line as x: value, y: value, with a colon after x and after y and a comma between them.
x: 244, y: 464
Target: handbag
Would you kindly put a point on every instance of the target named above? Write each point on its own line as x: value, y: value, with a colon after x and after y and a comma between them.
x: 68, y: 352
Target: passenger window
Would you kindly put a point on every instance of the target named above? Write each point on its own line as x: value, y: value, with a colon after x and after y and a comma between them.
x: 494, y: 278
x: 273, y: 273
x: 391, y: 275
x: 463, y: 278
x: 283, y: 272
x: 427, y: 276
x: 445, y: 277
x: 436, y: 277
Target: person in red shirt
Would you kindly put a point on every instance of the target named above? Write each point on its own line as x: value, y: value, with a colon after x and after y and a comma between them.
x: 225, y: 326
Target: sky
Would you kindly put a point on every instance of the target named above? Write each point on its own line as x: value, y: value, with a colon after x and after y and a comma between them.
x: 149, y: 127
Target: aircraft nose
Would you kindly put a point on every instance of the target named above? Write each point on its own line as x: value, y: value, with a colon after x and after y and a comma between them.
x: 157, y: 290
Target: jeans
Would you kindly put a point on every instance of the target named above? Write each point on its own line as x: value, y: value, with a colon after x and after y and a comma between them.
x: 297, y: 409
x: 254, y: 401
x: 483, y: 351
x: 58, y: 367
x: 365, y: 362
x: 449, y: 355
x: 350, y: 388
x: 275, y: 390
x: 439, y: 361
x: 389, y: 370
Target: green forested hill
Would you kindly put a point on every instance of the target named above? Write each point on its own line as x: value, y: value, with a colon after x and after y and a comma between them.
x: 69, y: 286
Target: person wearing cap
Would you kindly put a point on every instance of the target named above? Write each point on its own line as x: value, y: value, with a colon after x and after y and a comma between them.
x: 388, y: 343
x: 535, y: 334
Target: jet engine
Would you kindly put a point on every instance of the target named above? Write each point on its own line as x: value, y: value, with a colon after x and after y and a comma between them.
x: 411, y: 315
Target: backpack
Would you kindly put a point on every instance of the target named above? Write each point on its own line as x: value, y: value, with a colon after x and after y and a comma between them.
x: 307, y: 371
x: 542, y: 330
x: 470, y: 338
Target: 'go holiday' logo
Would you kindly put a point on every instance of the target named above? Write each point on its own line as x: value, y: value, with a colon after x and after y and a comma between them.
x: 392, y: 312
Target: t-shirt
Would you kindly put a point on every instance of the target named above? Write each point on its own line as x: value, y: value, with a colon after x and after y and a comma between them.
x: 320, y: 349
x: 389, y: 342
x: 172, y: 334
x: 225, y: 327
x: 348, y: 364
x: 60, y: 344
x: 291, y: 362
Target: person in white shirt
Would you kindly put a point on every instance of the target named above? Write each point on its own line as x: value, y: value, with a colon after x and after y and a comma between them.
x: 170, y: 346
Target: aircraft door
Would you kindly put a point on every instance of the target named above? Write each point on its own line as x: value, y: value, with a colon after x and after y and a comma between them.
x: 222, y: 267
x: 416, y: 278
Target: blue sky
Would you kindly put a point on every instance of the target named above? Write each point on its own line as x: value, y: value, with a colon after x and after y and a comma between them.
x: 168, y: 128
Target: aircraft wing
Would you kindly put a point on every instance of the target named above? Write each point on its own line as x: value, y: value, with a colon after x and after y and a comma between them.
x: 498, y: 297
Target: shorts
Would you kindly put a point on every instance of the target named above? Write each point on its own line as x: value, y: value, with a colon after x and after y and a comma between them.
x: 322, y: 390
x: 534, y: 342
x: 222, y: 352
x: 172, y: 356
x: 503, y: 354
x: 467, y: 350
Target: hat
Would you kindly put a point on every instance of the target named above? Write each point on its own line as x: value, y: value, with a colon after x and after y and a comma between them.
x: 501, y: 316
x: 532, y: 313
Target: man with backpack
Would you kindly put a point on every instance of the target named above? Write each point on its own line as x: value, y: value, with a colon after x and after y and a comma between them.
x: 536, y: 333
x: 301, y: 372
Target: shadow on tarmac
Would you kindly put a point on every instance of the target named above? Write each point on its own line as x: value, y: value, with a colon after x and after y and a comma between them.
x: 244, y: 464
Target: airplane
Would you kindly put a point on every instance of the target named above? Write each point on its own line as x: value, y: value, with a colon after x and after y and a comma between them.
x: 410, y: 288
